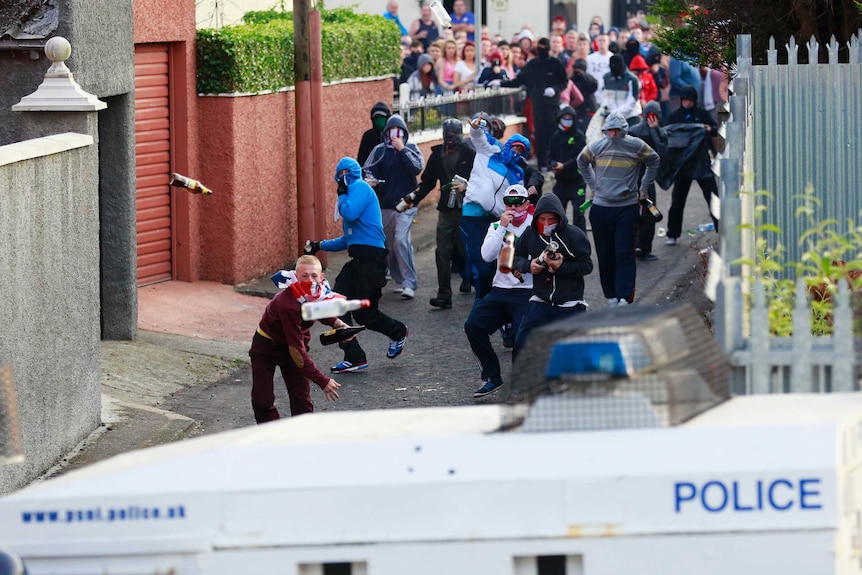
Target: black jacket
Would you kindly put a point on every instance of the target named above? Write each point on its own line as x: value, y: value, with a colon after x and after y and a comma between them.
x: 564, y: 148
x: 534, y: 178
x: 655, y: 138
x: 694, y: 160
x: 372, y: 136
x: 538, y: 74
x: 567, y: 284
x: 588, y: 87
x: 435, y: 171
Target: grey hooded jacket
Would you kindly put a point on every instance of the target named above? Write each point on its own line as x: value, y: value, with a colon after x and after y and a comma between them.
x: 611, y: 166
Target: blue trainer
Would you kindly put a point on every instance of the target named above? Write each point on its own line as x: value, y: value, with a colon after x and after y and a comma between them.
x: 489, y: 385
x: 345, y: 366
x: 396, y: 346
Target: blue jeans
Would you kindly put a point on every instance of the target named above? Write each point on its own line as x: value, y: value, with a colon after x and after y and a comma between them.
x: 473, y: 230
x: 499, y: 307
x: 397, y: 229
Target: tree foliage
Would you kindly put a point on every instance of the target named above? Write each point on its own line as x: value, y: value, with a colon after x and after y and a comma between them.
x: 706, y: 33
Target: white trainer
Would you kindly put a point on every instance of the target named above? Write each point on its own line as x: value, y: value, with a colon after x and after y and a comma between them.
x: 407, y: 293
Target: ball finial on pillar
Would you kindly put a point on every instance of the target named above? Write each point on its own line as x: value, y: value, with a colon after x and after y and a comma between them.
x: 58, y: 51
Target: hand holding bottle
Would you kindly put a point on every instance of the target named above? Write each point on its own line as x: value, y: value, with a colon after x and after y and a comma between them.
x: 653, y: 209
x: 406, y: 202
x: 506, y: 258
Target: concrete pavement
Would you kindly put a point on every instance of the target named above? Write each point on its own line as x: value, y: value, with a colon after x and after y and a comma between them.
x: 195, y: 334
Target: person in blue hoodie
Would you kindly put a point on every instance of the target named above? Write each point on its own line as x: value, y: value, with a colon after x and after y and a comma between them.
x: 364, y: 275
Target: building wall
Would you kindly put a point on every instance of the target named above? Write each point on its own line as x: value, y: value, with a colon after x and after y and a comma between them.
x: 49, y: 312
x: 248, y: 157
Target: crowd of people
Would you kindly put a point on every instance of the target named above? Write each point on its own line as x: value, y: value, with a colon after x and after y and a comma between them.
x: 610, y: 117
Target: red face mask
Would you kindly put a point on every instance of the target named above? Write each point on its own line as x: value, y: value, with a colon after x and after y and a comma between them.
x: 310, y: 291
x: 546, y: 229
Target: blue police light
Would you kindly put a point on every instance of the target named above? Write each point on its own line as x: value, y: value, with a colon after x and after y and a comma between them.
x: 606, y: 355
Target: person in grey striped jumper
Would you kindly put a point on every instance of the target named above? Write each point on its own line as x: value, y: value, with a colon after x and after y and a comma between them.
x: 611, y: 167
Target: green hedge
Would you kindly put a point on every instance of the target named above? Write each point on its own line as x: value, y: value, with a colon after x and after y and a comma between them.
x: 258, y: 55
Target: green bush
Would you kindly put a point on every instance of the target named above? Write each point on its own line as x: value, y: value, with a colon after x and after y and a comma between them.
x: 829, y: 256
x: 258, y: 55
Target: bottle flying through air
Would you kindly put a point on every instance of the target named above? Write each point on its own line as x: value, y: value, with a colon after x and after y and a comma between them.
x: 440, y: 14
x: 331, y: 308
x: 194, y: 186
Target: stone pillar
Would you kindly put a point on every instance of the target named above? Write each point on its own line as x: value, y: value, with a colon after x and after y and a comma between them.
x: 70, y: 108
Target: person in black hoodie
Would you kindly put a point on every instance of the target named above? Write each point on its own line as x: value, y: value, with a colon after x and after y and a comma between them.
x: 566, y: 143
x: 652, y: 133
x: 691, y: 130
x: 395, y: 164
x: 380, y: 112
x: 453, y: 157
x: 545, y: 79
x: 558, y: 256
x: 588, y: 86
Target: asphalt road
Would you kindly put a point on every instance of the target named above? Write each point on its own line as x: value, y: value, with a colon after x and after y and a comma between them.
x: 164, y: 387
x: 437, y: 367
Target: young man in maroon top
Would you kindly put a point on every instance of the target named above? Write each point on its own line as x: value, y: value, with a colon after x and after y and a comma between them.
x: 282, y: 340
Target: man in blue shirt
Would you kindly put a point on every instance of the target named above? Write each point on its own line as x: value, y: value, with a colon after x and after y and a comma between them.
x: 463, y: 20
x: 392, y: 14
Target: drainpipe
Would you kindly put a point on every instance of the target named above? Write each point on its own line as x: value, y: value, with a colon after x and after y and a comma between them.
x: 321, y: 214
x: 306, y: 227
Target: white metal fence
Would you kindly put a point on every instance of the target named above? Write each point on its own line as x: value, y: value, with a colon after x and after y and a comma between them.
x: 792, y: 126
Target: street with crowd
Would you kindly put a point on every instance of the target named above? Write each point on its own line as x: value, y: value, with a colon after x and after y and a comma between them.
x: 571, y: 215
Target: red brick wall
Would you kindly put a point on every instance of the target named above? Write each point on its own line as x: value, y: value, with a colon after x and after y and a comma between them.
x: 247, y: 152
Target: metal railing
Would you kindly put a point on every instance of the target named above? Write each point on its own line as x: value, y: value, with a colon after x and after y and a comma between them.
x: 783, y: 136
x: 429, y: 113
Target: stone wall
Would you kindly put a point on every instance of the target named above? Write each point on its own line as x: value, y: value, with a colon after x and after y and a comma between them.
x: 49, y: 309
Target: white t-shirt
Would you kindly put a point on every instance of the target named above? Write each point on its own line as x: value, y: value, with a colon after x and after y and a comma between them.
x: 466, y: 73
x: 598, y: 65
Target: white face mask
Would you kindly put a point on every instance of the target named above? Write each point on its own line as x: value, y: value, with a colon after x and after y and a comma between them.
x: 566, y: 123
x: 396, y: 133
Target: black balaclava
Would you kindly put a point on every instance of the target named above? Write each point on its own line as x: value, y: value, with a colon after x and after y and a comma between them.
x: 453, y: 132
x: 617, y: 66
x: 543, y: 48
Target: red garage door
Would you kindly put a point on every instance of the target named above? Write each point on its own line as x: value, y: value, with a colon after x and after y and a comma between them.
x: 153, y: 163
